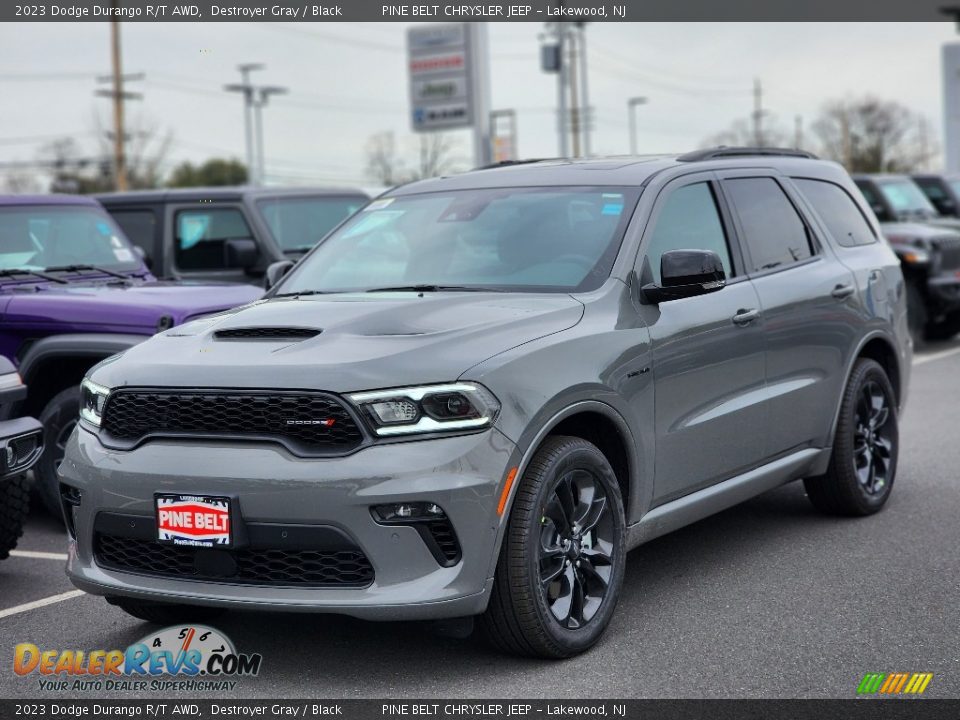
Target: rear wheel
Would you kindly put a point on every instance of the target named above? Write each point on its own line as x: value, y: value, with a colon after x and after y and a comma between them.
x: 561, y: 566
x: 166, y: 614
x: 863, y: 464
x: 58, y: 418
x: 14, y: 505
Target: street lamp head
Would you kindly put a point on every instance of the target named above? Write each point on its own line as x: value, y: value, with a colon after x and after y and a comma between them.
x: 637, y: 101
x: 249, y: 67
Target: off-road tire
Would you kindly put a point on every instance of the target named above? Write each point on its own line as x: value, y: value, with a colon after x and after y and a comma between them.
x: 59, y: 414
x: 14, y: 506
x: 518, y: 619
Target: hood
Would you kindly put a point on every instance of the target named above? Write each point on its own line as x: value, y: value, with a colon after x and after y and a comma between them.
x: 364, y: 341
x: 110, y: 307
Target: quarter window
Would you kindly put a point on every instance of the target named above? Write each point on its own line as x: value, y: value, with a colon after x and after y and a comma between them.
x: 689, y: 220
x: 773, y: 230
x: 201, y: 235
x: 838, y: 211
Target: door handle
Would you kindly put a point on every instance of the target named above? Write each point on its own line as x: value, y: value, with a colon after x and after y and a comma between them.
x: 745, y: 317
x: 843, y: 291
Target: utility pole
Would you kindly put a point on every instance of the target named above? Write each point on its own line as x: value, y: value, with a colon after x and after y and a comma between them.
x: 574, y: 103
x: 248, y: 101
x: 798, y: 132
x: 758, y: 113
x: 118, y: 95
x: 632, y: 104
x: 587, y: 116
x: 562, y: 89
x: 263, y: 96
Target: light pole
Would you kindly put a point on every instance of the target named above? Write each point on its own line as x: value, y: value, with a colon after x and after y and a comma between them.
x: 263, y: 95
x: 248, y: 100
x: 632, y: 104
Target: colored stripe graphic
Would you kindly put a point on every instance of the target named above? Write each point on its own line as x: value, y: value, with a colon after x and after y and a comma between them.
x: 894, y: 683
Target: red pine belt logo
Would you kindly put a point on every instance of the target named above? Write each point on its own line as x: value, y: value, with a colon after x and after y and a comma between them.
x: 193, y: 519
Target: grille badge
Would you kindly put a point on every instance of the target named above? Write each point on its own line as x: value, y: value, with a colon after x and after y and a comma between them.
x: 326, y: 422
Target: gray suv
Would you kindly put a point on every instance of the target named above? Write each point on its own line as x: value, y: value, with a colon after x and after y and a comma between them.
x: 477, y: 394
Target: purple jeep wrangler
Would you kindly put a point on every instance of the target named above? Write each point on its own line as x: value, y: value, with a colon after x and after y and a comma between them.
x: 73, y: 290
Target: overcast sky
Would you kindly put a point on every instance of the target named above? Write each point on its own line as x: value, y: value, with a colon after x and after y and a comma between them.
x: 347, y: 81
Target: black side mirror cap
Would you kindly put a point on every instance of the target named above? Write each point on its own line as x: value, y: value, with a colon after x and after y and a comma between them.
x: 240, y: 253
x: 275, y: 271
x: 686, y: 273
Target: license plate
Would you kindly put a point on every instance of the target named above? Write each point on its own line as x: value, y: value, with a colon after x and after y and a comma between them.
x: 196, y: 520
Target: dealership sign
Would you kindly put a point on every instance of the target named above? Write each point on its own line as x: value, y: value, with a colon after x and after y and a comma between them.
x: 441, y: 68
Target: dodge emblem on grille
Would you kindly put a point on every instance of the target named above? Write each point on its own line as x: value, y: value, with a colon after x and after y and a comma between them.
x: 326, y: 422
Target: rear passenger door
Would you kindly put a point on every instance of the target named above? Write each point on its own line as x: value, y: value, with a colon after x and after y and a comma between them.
x: 708, y: 350
x: 809, y: 303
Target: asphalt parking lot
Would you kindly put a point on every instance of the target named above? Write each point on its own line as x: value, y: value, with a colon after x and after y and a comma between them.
x: 768, y: 599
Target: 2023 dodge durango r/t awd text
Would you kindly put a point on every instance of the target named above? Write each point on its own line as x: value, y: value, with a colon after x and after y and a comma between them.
x: 479, y: 392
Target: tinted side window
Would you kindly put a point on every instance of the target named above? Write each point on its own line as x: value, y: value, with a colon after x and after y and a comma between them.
x: 839, y: 212
x: 773, y: 231
x: 200, y: 236
x: 139, y: 226
x: 689, y: 220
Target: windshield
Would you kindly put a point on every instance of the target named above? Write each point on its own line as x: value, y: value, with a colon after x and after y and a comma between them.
x: 526, y: 239
x: 955, y: 186
x: 906, y: 197
x: 47, y: 236
x: 299, y: 223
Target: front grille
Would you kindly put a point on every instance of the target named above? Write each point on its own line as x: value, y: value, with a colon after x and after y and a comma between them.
x: 266, y: 333
x: 277, y: 567
x: 949, y: 249
x: 306, y: 423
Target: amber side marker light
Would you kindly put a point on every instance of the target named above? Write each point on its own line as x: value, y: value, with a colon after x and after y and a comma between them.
x: 511, y: 476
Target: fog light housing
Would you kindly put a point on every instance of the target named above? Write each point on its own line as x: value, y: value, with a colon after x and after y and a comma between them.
x: 430, y: 522
x: 404, y: 513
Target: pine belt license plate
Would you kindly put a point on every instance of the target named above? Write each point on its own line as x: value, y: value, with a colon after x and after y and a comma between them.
x: 194, y: 520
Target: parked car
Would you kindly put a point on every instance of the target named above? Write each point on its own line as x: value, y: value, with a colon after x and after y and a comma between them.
x: 928, y: 248
x: 478, y: 393
x: 943, y: 192
x: 21, y: 442
x: 72, y: 292
x: 228, y: 234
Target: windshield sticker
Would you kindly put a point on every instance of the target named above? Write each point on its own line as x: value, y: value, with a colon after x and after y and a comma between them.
x: 103, y: 228
x: 378, y: 204
x: 123, y: 255
x: 372, y: 222
x: 612, y: 209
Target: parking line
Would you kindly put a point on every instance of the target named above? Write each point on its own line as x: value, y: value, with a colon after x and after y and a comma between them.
x: 38, y: 555
x: 43, y: 602
x: 936, y: 356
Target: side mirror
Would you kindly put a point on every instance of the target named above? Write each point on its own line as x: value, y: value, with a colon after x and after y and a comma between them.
x: 275, y: 271
x: 240, y: 252
x: 686, y: 273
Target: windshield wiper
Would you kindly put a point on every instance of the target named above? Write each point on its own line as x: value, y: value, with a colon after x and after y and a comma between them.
x: 298, y: 293
x: 433, y: 288
x: 79, y: 268
x: 10, y: 272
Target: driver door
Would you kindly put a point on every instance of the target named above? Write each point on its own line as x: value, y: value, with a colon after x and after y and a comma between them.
x: 708, y: 350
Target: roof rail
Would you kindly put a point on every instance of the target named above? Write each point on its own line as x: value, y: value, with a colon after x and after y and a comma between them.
x: 508, y: 163
x: 723, y: 151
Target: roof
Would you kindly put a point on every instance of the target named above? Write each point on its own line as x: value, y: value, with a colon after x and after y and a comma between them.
x: 222, y: 193
x: 53, y: 199
x: 627, y: 171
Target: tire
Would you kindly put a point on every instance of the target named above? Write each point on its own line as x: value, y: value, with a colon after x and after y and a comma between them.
x: 14, y: 506
x: 524, y: 614
x: 863, y: 465
x: 945, y: 329
x: 916, y: 314
x: 58, y: 418
x: 166, y: 614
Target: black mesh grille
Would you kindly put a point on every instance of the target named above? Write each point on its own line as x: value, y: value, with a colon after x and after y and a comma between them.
x: 310, y: 423
x: 266, y: 333
x: 949, y: 253
x: 315, y: 568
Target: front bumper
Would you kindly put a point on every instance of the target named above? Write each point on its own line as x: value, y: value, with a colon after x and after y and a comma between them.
x: 463, y: 475
x: 945, y: 290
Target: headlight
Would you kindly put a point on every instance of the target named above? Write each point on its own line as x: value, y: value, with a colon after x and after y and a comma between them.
x: 428, y: 409
x: 92, y: 399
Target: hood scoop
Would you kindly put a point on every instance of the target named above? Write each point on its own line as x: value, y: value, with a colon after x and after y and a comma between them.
x: 275, y: 334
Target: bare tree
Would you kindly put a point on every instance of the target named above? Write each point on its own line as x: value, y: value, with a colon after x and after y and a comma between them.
x: 435, y: 155
x: 383, y: 164
x: 20, y: 180
x: 146, y: 151
x: 742, y: 133
x: 874, y: 135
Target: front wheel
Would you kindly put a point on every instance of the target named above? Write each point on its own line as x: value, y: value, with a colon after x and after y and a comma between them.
x: 561, y: 565
x: 863, y: 464
x: 58, y: 418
